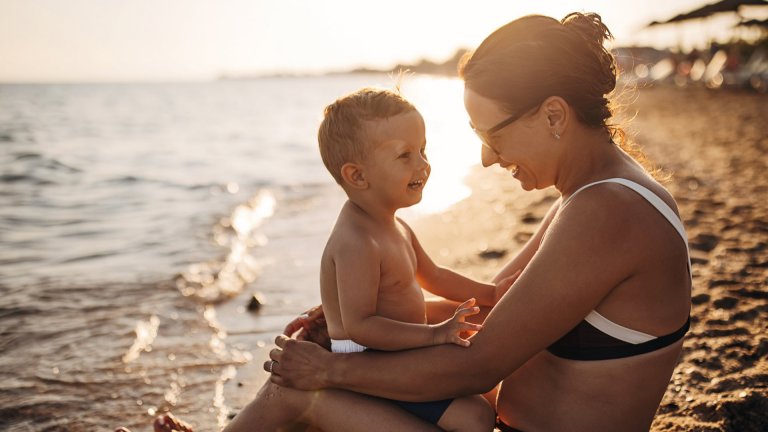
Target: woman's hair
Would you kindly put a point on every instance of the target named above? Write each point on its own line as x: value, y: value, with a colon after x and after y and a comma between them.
x: 342, y: 134
x: 535, y: 57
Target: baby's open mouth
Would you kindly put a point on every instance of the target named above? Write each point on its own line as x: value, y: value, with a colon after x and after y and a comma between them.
x: 416, y: 184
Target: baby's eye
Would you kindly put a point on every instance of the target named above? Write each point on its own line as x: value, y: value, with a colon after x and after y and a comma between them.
x: 405, y: 155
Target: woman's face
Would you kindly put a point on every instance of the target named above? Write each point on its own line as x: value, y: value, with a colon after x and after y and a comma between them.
x: 518, y: 147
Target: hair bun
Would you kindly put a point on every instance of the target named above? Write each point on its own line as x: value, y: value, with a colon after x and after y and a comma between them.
x: 589, y: 25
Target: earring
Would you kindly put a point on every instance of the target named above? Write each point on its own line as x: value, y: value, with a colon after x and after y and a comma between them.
x: 556, y: 135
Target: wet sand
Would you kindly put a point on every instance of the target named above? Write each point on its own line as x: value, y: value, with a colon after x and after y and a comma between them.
x: 715, y: 148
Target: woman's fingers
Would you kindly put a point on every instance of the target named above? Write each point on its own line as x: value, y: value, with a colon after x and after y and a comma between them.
x: 298, y: 364
x: 271, y: 366
x: 279, y: 380
x: 280, y: 341
x: 275, y: 355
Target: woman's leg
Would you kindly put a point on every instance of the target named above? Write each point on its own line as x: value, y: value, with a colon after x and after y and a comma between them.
x: 468, y: 414
x: 278, y: 408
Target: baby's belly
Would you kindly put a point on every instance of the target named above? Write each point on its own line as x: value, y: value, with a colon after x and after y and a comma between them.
x: 403, y: 304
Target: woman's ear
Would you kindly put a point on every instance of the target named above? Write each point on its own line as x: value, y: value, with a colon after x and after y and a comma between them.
x: 556, y: 113
x: 353, y: 175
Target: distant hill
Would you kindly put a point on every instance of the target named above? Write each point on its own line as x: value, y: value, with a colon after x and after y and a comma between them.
x: 446, y: 68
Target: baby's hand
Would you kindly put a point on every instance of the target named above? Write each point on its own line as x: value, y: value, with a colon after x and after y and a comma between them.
x: 504, y: 285
x: 449, y: 331
x: 310, y: 326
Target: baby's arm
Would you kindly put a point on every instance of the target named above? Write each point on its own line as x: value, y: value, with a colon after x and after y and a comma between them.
x: 357, y: 278
x: 447, y: 283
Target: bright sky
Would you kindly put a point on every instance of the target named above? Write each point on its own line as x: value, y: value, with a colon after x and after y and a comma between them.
x: 138, y: 40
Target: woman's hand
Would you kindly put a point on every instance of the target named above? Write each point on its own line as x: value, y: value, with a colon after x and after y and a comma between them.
x: 449, y: 331
x: 310, y: 326
x: 298, y: 364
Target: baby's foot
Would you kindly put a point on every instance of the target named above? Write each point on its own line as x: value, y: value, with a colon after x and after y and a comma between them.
x: 169, y: 423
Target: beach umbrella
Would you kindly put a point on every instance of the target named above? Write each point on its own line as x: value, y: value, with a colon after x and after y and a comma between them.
x: 754, y: 23
x: 711, y: 9
x: 756, y: 28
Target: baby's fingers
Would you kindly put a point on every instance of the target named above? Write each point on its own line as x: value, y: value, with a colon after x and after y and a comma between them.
x: 467, y: 304
x: 466, y: 312
x: 467, y: 326
x: 461, y: 342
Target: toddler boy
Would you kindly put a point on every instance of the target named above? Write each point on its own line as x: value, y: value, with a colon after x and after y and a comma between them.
x: 373, y: 267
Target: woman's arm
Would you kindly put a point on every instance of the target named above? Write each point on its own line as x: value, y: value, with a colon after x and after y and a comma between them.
x: 523, y: 257
x: 559, y: 287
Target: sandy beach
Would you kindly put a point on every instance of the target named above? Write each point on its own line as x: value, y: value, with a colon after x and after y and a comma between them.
x: 713, y: 147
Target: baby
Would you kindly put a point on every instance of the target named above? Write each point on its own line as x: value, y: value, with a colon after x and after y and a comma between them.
x: 373, y: 267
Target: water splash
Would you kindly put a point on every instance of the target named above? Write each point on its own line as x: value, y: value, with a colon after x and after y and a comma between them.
x: 217, y: 280
x: 146, y: 332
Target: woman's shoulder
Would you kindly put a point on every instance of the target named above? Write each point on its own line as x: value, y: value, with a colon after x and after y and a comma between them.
x: 621, y: 194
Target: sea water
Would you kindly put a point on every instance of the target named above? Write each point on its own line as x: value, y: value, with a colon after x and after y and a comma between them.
x: 137, y: 219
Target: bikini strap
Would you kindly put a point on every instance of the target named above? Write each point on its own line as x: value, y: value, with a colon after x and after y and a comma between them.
x: 652, y: 199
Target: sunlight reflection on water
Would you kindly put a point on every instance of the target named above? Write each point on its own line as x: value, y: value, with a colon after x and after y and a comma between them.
x: 452, y: 148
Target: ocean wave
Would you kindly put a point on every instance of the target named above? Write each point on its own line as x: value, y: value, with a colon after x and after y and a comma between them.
x: 135, y: 179
x: 28, y: 178
x: 116, y: 353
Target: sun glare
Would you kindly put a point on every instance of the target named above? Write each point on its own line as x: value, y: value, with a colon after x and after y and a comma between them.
x: 452, y: 148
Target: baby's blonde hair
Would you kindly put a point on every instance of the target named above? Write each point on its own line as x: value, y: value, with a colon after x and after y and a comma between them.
x: 342, y: 134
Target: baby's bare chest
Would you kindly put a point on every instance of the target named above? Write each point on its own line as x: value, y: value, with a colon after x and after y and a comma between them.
x: 398, y: 265
x: 400, y: 296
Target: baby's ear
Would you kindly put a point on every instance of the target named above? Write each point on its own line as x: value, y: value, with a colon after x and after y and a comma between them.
x: 353, y: 175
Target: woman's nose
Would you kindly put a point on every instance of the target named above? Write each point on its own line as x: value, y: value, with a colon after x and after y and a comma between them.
x: 488, y: 156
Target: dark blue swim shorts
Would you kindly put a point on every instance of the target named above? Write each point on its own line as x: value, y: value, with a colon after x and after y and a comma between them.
x: 427, y: 411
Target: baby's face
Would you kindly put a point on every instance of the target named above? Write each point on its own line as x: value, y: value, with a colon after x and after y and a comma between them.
x: 396, y: 166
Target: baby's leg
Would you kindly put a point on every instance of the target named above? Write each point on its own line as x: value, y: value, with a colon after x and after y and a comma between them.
x: 468, y: 414
x: 276, y: 408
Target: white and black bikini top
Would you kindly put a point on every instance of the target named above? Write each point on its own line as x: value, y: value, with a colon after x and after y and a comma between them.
x: 597, y: 337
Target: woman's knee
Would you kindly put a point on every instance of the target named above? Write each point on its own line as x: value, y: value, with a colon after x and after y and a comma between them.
x: 469, y: 414
x: 284, y: 398
x: 273, y: 408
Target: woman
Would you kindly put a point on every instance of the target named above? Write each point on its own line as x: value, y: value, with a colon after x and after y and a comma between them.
x: 590, y: 332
